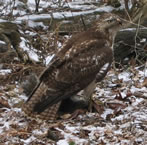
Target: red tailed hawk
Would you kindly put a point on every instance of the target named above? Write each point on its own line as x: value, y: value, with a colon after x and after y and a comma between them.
x: 83, y: 60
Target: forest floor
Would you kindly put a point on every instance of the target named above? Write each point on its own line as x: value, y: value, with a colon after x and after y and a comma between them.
x: 122, y: 119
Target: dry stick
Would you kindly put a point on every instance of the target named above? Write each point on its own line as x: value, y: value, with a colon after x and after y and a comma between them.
x: 131, y: 22
x: 12, y: 8
x: 135, y: 48
x: 128, y: 15
x: 51, y: 21
x: 140, y: 95
x: 83, y: 22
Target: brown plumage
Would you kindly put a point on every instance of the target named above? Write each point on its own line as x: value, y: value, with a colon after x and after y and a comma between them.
x: 83, y: 60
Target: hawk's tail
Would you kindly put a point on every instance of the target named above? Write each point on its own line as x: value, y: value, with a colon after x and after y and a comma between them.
x: 48, y: 114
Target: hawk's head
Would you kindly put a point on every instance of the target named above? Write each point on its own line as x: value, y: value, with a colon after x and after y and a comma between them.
x: 109, y: 22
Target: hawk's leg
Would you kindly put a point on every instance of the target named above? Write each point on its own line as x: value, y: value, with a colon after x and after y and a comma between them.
x: 88, y: 93
x: 92, y: 102
x: 87, y: 96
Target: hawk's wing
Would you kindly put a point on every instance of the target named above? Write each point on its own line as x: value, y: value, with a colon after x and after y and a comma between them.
x: 76, y: 69
x: 52, y: 65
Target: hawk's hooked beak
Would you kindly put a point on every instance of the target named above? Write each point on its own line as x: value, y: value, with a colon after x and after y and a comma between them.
x: 119, y: 21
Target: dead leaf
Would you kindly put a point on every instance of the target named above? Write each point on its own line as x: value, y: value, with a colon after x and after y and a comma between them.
x: 54, y: 134
x: 77, y: 112
x: 115, y: 106
x: 144, y: 84
x: 4, y: 103
x: 133, y: 61
x: 118, y: 96
x: 98, y: 106
x: 140, y: 95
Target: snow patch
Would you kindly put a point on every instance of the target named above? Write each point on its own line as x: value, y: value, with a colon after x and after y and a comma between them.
x: 5, y: 71
x: 48, y: 59
x: 30, y: 51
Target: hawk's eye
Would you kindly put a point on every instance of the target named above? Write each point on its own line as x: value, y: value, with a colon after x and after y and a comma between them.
x: 111, y: 20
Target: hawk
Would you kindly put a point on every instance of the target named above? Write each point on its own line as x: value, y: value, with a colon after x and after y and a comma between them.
x: 83, y: 60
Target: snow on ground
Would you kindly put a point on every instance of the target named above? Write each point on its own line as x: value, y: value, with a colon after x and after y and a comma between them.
x: 21, y: 10
x: 5, y: 71
x: 30, y: 51
x: 62, y: 15
x: 122, y: 122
